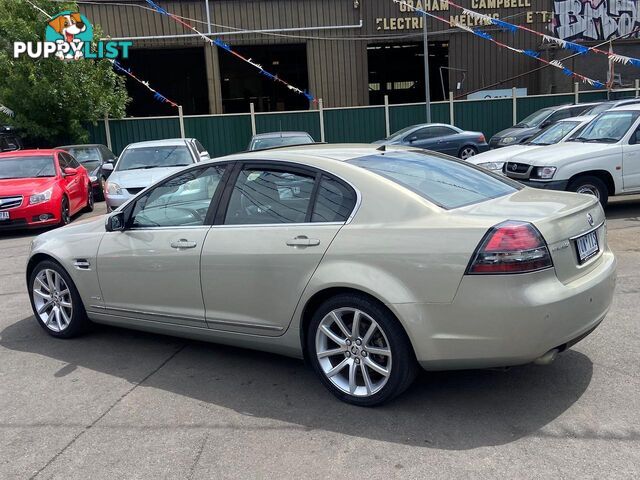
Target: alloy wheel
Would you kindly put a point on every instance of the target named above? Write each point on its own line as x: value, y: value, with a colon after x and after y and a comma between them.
x: 467, y: 152
x: 589, y: 189
x: 52, y: 300
x: 353, y: 352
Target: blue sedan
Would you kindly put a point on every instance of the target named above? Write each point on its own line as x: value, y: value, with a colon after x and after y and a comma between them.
x: 440, y: 137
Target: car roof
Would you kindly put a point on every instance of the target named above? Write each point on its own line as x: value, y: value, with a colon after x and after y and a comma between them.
x: 633, y: 107
x: 169, y: 142
x: 280, y: 134
x: 336, y: 151
x: 420, y: 125
x: 64, y: 147
x: 31, y: 152
x: 573, y: 105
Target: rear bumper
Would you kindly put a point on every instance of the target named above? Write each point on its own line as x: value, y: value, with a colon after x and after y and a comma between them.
x: 497, y: 321
x: 483, y: 147
x: 552, y: 185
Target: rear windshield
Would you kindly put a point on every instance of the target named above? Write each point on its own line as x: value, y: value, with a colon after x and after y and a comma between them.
x: 448, y: 183
x: 270, y: 142
x: 85, y: 154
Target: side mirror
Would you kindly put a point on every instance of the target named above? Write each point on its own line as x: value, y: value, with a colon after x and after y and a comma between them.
x: 115, y: 222
x: 107, y: 167
x: 204, y: 156
x: 546, y: 123
x: 70, y: 172
x: 413, y: 138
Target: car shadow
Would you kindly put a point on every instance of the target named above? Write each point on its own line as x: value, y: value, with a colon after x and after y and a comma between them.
x: 444, y: 410
x: 627, y: 208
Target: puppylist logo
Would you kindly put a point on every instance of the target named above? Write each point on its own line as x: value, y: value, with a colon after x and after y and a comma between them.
x: 68, y: 36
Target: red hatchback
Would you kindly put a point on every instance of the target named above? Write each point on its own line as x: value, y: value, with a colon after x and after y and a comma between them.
x: 41, y: 187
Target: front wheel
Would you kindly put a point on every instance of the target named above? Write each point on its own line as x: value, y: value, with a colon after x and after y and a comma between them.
x: 467, y: 152
x: 90, y: 200
x: 591, y: 186
x: 55, y: 301
x: 65, y: 214
x: 360, y: 351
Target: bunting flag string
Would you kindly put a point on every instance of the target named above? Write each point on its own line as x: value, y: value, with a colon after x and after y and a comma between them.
x: 156, y: 95
x: 567, y: 45
x: 224, y: 46
x: 530, y: 53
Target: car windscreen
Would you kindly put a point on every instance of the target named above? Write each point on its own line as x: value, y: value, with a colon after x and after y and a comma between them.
x: 535, y: 118
x: 609, y: 127
x: 399, y: 133
x: 154, y: 157
x: 85, y: 154
x: 27, y: 167
x: 448, y: 183
x: 270, y: 142
x: 554, y: 133
x: 598, y: 109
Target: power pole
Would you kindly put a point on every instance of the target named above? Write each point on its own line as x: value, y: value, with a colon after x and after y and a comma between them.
x: 427, y: 93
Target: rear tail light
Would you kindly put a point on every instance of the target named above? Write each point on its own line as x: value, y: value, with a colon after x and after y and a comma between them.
x: 511, y: 247
x: 482, y: 139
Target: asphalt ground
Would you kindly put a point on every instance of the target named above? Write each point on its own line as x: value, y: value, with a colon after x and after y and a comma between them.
x: 119, y: 404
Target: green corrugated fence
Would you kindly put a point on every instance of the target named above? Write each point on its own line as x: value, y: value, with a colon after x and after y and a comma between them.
x: 225, y: 134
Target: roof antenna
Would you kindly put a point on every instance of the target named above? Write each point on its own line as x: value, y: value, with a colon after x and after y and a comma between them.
x: 382, y: 148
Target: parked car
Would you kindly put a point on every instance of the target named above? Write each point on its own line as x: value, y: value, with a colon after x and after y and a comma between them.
x: 556, y: 133
x: 93, y: 157
x: 40, y: 188
x: 603, y: 160
x: 369, y: 262
x: 279, y: 139
x: 609, y: 104
x: 9, y: 140
x: 527, y: 128
x: 142, y: 164
x: 439, y: 137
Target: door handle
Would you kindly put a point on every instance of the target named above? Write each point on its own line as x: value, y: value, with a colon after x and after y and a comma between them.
x: 183, y: 244
x: 303, y: 241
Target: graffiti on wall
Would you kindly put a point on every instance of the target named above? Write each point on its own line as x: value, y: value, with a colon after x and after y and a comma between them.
x: 595, y: 19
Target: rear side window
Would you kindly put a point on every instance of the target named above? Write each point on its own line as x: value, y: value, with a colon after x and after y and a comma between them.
x: 445, y: 182
x: 334, y: 203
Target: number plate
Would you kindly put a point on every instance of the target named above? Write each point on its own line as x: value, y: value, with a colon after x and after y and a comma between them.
x: 4, y: 215
x: 587, y: 246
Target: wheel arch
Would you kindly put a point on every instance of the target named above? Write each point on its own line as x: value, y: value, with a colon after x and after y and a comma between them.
x: 319, y: 297
x: 603, y: 175
x: 36, y: 259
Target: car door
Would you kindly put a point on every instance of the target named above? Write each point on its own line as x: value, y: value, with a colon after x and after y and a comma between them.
x: 277, y: 222
x: 631, y: 162
x: 151, y: 270
x: 447, y: 140
x: 72, y: 184
x: 422, y: 138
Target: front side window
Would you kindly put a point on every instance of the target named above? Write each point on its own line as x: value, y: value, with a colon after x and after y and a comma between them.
x: 154, y: 157
x: 269, y: 196
x: 609, y: 127
x: 180, y: 201
x: 27, y: 167
x: 445, y: 182
x: 63, y: 161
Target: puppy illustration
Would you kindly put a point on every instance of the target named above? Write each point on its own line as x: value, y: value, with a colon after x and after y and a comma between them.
x: 69, y: 26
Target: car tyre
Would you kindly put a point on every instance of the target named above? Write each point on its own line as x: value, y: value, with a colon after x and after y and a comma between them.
x: 65, y: 214
x: 101, y: 184
x: 90, y: 199
x: 467, y: 151
x: 592, y: 186
x: 55, y: 301
x: 353, y: 366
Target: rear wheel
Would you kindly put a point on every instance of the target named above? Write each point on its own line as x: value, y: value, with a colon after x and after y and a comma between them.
x: 101, y: 187
x: 467, y: 151
x: 592, y: 186
x: 360, y: 351
x: 55, y: 301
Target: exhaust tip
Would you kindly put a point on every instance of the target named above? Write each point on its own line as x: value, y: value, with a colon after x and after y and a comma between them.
x: 547, y: 358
